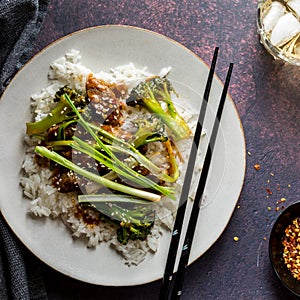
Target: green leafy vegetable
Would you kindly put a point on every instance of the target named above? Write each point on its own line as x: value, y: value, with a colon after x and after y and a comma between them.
x: 94, y: 177
x: 61, y: 112
x: 134, y: 221
x: 153, y: 91
x: 133, y: 176
x: 149, y: 130
x: 119, y: 145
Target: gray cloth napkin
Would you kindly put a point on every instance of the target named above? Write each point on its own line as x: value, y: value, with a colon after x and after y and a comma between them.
x: 20, y: 21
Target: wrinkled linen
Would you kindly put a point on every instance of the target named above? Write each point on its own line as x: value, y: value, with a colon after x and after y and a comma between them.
x: 20, y: 21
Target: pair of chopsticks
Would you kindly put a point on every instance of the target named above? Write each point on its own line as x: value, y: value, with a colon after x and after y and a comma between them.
x: 172, y: 284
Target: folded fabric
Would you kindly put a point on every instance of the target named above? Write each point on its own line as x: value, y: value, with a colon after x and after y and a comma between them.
x: 20, y: 21
x: 20, y: 271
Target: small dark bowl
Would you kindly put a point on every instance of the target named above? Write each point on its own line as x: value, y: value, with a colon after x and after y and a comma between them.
x: 276, y: 248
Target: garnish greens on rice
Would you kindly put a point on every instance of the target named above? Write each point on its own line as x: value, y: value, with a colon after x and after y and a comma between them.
x: 106, y: 145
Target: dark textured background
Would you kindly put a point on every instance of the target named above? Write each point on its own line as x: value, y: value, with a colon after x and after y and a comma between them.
x: 266, y: 95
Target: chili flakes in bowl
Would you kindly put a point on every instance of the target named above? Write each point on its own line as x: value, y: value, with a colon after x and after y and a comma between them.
x: 284, y: 248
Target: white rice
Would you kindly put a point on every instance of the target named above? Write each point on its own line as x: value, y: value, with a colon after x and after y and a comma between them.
x: 46, y: 201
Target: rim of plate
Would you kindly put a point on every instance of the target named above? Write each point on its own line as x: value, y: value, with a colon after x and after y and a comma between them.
x: 57, y: 41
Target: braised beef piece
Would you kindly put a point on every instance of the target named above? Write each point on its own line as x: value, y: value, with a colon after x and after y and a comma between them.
x: 42, y: 161
x: 65, y: 180
x: 104, y: 102
x: 53, y: 132
x: 89, y: 163
x: 104, y: 109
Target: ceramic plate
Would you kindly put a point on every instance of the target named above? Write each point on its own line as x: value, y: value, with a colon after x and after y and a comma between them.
x: 102, y: 48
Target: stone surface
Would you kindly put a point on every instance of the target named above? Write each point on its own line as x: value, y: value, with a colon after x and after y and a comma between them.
x: 266, y: 94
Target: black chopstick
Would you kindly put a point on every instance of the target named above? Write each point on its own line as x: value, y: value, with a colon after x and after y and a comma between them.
x: 173, y: 248
x: 188, y: 241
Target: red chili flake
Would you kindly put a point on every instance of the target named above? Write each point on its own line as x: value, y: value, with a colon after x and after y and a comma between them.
x: 257, y: 167
x: 291, y: 251
x: 269, y: 191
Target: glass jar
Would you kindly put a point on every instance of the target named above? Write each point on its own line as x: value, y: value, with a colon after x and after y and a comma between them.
x: 278, y: 25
